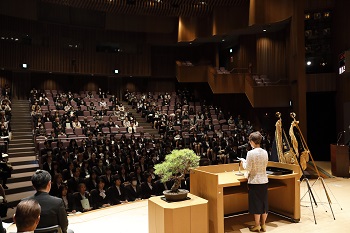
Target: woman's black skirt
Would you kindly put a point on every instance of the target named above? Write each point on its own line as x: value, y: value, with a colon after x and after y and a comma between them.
x: 258, y: 200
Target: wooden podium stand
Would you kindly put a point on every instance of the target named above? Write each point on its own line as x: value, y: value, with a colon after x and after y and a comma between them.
x: 190, y: 216
x: 227, y: 193
x: 340, y: 160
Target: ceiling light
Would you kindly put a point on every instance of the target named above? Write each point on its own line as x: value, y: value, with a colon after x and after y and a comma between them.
x: 116, y: 71
x: 308, y: 63
x: 264, y: 30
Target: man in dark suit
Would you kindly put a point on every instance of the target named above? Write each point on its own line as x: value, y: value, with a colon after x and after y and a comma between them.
x: 52, y: 208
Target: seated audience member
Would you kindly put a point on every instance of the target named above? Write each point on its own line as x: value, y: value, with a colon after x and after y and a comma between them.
x: 55, y: 185
x: 147, y: 188
x: 92, y: 181
x: 79, y: 197
x: 66, y: 197
x: 116, y: 193
x: 107, y: 178
x: 73, y: 183
x: 100, y: 169
x: 52, y: 208
x: 133, y: 191
x: 27, y: 216
x: 67, y: 167
x: 99, y: 197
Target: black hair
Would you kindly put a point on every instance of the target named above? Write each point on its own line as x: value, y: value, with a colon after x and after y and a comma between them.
x: 40, y: 179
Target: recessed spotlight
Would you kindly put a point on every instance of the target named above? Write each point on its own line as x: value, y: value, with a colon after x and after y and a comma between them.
x: 190, y: 42
x: 308, y: 63
x: 116, y: 71
x: 231, y: 50
x: 24, y: 65
x: 223, y: 40
x: 264, y: 30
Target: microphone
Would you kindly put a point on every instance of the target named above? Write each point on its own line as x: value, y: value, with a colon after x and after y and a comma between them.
x: 243, y: 146
x: 340, y: 134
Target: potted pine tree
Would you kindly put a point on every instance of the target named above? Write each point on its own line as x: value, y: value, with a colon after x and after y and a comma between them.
x: 176, y: 165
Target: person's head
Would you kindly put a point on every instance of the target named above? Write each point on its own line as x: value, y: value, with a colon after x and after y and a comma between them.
x: 81, y: 188
x: 63, y: 190
x: 101, y: 184
x: 76, y: 171
x: 148, y: 177
x: 255, y: 139
x: 133, y: 181
x: 27, y: 215
x: 41, y: 180
x: 58, y: 178
x: 117, y: 180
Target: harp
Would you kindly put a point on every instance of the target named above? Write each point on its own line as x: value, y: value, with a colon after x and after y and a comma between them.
x: 284, y: 150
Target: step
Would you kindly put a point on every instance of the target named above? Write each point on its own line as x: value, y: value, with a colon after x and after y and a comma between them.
x: 25, y: 168
x: 20, y: 177
x: 21, y: 148
x: 23, y: 127
x: 22, y: 136
x: 17, y: 161
x: 19, y: 187
x: 15, y: 198
x: 18, y: 143
x: 21, y: 154
x: 22, y: 158
x: 22, y: 132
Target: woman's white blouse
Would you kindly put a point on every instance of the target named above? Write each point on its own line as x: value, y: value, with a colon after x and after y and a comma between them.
x: 256, y: 166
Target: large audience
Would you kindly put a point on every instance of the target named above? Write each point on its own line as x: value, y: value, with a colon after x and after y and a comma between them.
x: 94, y: 149
x: 5, y: 117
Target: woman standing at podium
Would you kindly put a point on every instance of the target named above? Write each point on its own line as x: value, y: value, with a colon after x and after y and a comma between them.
x: 256, y: 164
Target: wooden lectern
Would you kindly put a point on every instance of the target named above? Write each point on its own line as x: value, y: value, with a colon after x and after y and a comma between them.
x: 227, y: 192
x: 340, y: 160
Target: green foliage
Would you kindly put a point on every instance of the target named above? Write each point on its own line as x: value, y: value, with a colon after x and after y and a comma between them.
x: 177, y: 163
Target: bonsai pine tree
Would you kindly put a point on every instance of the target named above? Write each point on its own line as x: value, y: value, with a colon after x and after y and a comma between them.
x: 176, y: 165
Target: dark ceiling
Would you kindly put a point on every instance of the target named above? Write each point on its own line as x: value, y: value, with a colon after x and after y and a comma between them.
x: 152, y: 7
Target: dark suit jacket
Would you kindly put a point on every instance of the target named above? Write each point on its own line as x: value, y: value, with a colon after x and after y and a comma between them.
x: 2, y: 229
x: 146, y: 191
x: 54, y: 191
x: 113, y: 195
x: 96, y: 200
x: 73, y: 184
x: 77, y: 201
x: 52, y: 211
x: 132, y: 194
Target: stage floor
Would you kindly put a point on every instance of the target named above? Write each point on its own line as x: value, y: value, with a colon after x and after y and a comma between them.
x: 133, y: 217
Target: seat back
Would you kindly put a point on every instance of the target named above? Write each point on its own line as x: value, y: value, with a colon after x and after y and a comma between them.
x: 51, y: 229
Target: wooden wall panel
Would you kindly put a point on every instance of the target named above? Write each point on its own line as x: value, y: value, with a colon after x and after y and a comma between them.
x: 49, y: 49
x: 226, y: 83
x: 27, y: 9
x: 227, y: 19
x: 138, y: 23
x: 191, y: 74
x: 270, y: 11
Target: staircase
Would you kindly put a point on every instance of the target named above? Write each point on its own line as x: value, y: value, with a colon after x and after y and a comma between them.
x: 22, y: 155
x: 147, y: 128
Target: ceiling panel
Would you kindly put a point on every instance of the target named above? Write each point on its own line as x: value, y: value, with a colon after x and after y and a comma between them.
x: 151, y: 7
